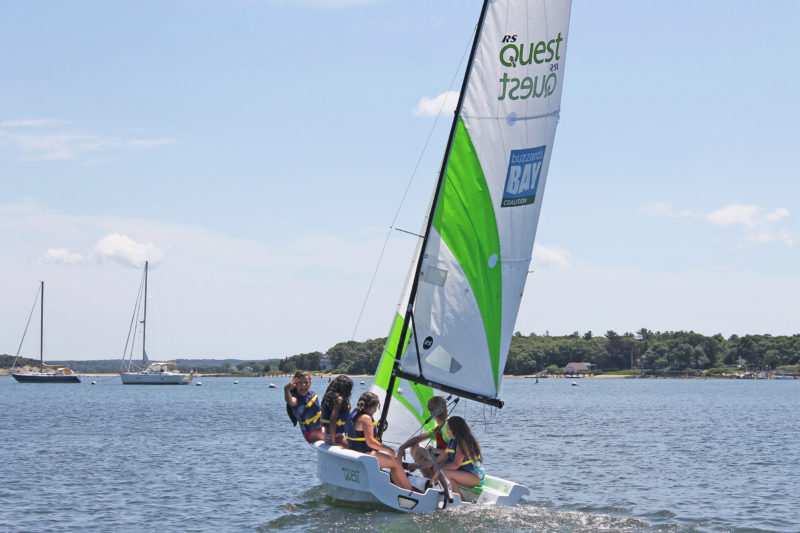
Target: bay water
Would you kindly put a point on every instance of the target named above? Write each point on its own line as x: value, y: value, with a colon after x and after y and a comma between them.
x: 673, y: 455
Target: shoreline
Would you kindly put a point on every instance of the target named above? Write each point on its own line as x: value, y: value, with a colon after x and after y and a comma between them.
x: 7, y: 372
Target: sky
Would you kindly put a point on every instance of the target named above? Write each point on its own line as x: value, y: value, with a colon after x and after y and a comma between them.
x: 256, y: 152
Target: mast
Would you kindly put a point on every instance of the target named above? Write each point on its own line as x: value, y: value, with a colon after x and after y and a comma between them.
x: 41, y: 331
x: 144, y: 319
x: 396, y: 370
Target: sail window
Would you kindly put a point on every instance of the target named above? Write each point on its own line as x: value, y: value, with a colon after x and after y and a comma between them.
x: 441, y: 359
x: 435, y: 276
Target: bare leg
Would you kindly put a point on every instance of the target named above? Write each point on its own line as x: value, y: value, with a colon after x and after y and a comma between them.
x: 316, y: 435
x: 396, y: 472
x: 461, y: 477
x: 422, y: 458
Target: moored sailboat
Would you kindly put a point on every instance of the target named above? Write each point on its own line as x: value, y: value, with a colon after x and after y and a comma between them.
x: 150, y: 373
x: 459, y: 306
x: 47, y: 373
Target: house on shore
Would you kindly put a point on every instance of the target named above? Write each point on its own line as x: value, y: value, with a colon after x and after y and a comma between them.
x: 325, y: 363
x: 577, y: 369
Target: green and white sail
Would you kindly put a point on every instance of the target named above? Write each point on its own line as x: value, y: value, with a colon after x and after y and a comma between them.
x: 460, y: 303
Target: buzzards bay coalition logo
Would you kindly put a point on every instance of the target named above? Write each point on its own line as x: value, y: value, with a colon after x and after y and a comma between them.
x: 522, y: 179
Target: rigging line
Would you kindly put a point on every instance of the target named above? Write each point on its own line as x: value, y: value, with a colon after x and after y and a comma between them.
x: 450, y: 407
x: 132, y: 328
x: 164, y: 312
x: 27, y: 324
x: 408, y: 187
x: 492, y: 416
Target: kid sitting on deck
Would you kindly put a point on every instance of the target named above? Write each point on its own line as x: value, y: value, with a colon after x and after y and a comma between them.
x: 303, y: 406
x: 464, y: 465
x: 361, y: 431
x: 437, y: 407
x: 336, y: 408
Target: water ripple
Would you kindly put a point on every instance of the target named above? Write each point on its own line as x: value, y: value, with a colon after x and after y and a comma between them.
x: 615, y: 455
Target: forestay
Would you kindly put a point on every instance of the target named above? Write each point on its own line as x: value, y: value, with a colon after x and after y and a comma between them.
x: 457, y: 312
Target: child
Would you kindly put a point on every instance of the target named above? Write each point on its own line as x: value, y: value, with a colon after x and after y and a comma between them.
x: 464, y: 455
x: 336, y: 408
x: 303, y: 404
x: 437, y: 407
x: 361, y: 431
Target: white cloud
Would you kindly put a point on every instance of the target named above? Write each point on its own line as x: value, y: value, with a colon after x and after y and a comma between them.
x: 48, y: 139
x: 61, y: 256
x: 25, y: 123
x: 758, y: 227
x: 744, y: 215
x: 124, y: 250
x: 776, y: 215
x: 113, y: 247
x: 547, y: 257
x: 224, y: 295
x: 430, y: 107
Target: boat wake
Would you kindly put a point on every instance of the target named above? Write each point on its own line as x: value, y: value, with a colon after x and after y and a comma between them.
x: 322, y: 513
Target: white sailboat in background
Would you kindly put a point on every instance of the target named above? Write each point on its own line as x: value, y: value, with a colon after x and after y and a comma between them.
x: 150, y: 373
x: 47, y: 373
x: 457, y: 313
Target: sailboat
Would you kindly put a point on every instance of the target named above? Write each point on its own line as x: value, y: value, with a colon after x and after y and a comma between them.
x: 47, y: 373
x: 458, y: 309
x: 150, y: 373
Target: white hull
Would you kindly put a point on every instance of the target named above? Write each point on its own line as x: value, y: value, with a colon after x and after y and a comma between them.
x: 356, y: 477
x: 144, y: 378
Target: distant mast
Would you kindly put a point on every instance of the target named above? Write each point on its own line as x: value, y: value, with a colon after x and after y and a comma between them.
x: 144, y: 319
x: 41, y: 331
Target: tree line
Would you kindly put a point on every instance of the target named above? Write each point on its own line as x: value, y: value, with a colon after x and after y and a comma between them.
x: 111, y: 366
x: 668, y: 351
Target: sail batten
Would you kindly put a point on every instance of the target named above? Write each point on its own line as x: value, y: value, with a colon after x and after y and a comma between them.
x: 464, y: 288
x: 414, y: 378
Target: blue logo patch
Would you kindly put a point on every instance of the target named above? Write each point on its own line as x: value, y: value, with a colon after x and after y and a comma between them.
x: 522, y: 180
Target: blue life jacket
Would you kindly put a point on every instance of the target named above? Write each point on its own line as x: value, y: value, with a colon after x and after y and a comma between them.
x: 468, y: 465
x: 355, y: 439
x: 307, y: 412
x: 344, y: 413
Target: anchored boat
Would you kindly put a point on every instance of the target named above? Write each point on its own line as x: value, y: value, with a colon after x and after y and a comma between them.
x: 150, y: 373
x: 459, y: 306
x: 47, y: 373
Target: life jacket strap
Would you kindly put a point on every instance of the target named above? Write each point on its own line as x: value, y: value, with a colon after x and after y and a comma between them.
x: 311, y: 420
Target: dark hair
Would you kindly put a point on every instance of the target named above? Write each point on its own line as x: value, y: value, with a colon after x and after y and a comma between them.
x: 340, y: 386
x: 367, y: 401
x: 302, y: 374
x: 437, y: 407
x: 460, y: 431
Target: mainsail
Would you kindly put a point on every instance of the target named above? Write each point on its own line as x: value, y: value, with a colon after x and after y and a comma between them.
x: 459, y: 306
